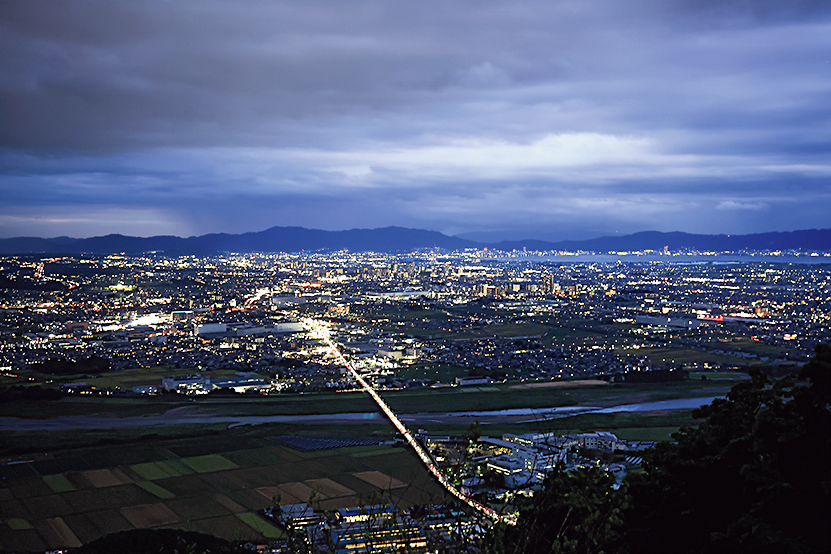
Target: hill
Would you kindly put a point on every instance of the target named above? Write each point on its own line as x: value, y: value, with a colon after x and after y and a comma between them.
x: 400, y: 239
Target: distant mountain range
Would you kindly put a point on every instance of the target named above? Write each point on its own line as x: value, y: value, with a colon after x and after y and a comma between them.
x: 399, y: 239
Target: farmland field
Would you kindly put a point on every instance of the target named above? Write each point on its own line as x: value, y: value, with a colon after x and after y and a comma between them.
x: 72, y: 486
x: 62, y: 502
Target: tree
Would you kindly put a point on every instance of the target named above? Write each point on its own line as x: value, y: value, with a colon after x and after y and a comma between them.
x: 577, y: 512
x: 161, y: 541
x: 474, y: 431
x: 750, y: 478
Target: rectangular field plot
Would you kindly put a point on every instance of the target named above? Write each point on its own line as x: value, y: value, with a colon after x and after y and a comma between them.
x: 107, y: 498
x: 271, y: 493
x: 156, y: 490
x: 136, y: 455
x: 104, y: 478
x: 57, y: 533
x: 328, y: 488
x: 213, y: 446
x: 228, y: 503
x: 261, y: 526
x: 377, y: 451
x: 209, y: 463
x: 48, y: 506
x: 402, y: 465
x: 198, y: 507
x: 252, y: 500
x: 61, y: 465
x: 407, y: 497
x: 58, y: 483
x: 342, y: 502
x: 253, y: 477
x: 14, y: 508
x: 83, y: 527
x: 100, y: 459
x: 293, y: 492
x: 149, y: 515
x: 361, y: 488
x: 188, y: 485
x: 24, y: 540
x: 254, y: 458
x: 226, y: 527
x: 109, y: 521
x: 301, y: 471
x: 285, y: 454
x: 155, y: 470
x: 341, y: 463
x: 18, y: 524
x: 380, y: 480
x: 27, y: 488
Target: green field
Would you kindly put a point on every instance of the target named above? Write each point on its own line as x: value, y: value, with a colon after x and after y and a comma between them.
x: 58, y: 483
x: 261, y: 526
x: 644, y: 427
x: 156, y: 470
x: 443, y: 373
x: 128, y: 378
x: 662, y: 356
x: 209, y: 463
x: 156, y: 490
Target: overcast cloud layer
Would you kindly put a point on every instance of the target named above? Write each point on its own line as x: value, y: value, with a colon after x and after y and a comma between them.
x: 548, y: 119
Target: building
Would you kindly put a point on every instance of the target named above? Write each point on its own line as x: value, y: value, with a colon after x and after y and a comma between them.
x: 241, y: 384
x: 181, y: 315
x: 600, y: 440
x: 374, y: 529
x: 464, y: 381
x: 192, y: 384
x: 664, y: 321
x: 210, y: 328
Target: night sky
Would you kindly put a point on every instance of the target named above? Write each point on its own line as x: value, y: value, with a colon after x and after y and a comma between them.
x: 551, y: 119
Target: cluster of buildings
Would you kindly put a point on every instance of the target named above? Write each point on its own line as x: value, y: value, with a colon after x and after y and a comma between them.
x: 504, y: 358
x: 521, y: 462
x: 373, y: 528
x: 241, y: 313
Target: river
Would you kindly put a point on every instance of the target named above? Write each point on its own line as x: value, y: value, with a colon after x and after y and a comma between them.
x: 187, y: 416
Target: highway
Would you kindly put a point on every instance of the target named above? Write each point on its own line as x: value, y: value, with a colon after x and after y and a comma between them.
x: 323, y: 334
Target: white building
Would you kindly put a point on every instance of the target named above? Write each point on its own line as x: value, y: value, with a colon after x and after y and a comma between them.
x: 600, y: 440
x: 210, y: 328
x: 192, y: 384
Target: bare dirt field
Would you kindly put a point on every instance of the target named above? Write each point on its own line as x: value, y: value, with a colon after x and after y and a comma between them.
x: 149, y: 515
x: 380, y: 480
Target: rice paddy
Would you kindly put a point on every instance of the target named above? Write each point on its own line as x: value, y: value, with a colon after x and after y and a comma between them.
x: 62, y: 502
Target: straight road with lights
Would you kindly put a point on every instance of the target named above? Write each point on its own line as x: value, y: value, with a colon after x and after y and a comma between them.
x: 322, y: 332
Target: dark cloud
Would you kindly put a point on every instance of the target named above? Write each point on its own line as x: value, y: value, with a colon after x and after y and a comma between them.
x: 567, y: 118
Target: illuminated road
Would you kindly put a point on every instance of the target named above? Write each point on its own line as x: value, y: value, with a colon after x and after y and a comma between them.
x: 323, y: 334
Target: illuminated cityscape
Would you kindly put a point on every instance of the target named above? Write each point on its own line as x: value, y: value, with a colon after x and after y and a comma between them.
x: 405, y: 328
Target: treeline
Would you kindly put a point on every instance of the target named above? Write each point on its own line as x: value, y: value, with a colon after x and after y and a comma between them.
x: 161, y: 541
x: 650, y: 376
x: 59, y: 366
x: 35, y: 392
x: 752, y: 477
